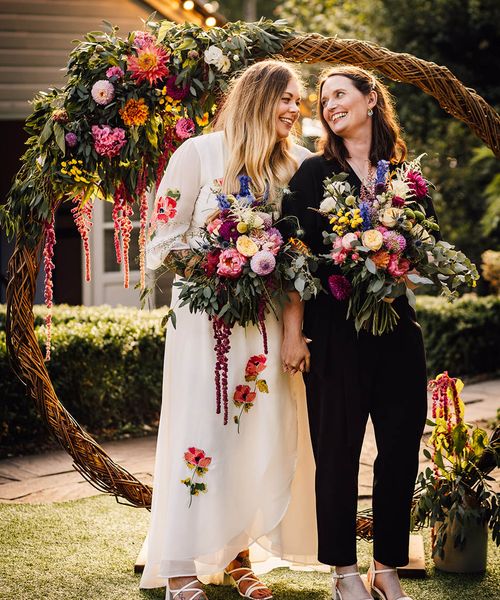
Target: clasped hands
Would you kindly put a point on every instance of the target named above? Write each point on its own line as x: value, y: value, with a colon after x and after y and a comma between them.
x: 295, y: 355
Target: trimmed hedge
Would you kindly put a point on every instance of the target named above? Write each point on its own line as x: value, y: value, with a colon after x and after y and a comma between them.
x: 106, y: 364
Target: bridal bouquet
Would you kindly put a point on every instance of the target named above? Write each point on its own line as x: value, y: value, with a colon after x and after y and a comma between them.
x: 383, y: 238
x: 241, y: 269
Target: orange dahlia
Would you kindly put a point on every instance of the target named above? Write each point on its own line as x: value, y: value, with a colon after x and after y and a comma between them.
x: 135, y: 112
x: 150, y: 64
x: 381, y: 259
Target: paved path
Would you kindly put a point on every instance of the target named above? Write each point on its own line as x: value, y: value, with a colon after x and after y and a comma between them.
x: 50, y: 477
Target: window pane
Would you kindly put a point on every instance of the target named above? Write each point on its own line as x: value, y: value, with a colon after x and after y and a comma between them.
x: 108, y: 209
x: 134, y: 249
x: 110, y: 264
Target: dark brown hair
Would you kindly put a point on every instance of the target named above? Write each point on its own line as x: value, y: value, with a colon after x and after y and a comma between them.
x: 387, y: 142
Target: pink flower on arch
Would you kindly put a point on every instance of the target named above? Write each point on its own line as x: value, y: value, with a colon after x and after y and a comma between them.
x: 185, y: 128
x: 108, y: 141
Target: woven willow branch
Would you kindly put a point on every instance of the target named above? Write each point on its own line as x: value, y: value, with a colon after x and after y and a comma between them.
x: 459, y: 101
x: 26, y: 357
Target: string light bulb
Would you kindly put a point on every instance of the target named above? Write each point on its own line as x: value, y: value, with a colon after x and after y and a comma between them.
x: 210, y: 21
x: 188, y: 5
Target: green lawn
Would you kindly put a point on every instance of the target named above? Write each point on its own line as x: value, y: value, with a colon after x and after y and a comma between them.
x: 85, y: 550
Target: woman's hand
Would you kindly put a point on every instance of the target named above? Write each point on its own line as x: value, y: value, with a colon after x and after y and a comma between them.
x: 295, y: 354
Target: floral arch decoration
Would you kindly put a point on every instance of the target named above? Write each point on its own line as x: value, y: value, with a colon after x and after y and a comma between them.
x: 108, y: 134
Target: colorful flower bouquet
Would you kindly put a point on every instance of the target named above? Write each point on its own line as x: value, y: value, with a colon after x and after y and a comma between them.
x: 383, y: 239
x: 241, y: 270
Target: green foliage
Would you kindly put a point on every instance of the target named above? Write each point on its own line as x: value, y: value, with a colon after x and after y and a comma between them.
x: 463, y: 337
x: 106, y: 368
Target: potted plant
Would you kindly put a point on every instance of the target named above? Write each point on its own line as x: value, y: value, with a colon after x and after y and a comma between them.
x: 455, y: 497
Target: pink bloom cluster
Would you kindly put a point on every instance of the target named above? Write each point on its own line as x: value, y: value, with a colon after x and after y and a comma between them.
x: 343, y: 248
x: 114, y: 72
x: 108, y: 141
x: 185, y: 128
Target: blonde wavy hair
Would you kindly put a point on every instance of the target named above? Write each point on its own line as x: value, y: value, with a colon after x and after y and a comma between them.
x: 248, y: 119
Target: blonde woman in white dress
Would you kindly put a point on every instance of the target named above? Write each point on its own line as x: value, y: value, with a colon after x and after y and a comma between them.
x: 247, y: 477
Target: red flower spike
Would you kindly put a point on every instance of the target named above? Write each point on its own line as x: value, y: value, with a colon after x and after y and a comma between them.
x: 82, y: 216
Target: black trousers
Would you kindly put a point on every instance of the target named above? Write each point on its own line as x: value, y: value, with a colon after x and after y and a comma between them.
x: 352, y: 377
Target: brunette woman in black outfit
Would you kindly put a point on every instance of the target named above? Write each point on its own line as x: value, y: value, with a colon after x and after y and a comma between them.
x: 349, y: 376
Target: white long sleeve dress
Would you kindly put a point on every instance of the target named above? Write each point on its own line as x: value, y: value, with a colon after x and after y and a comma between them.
x: 260, y: 481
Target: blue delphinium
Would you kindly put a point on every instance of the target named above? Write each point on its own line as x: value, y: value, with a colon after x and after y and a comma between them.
x: 364, y: 209
x: 223, y: 202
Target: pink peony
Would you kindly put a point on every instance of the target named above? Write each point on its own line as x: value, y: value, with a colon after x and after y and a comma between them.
x: 339, y: 256
x: 184, y: 128
x: 273, y: 241
x: 114, y: 72
x: 395, y: 242
x: 348, y: 240
x: 230, y: 263
x: 340, y: 287
x: 103, y: 92
x: 417, y: 184
x: 263, y: 262
x: 108, y: 141
x: 398, y: 266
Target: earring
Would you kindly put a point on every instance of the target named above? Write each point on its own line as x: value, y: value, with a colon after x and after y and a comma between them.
x: 370, y: 112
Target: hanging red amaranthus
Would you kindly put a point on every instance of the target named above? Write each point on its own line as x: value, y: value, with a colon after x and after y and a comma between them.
x: 222, y: 334
x: 262, y: 324
x: 48, y: 265
x: 82, y: 215
x: 140, y: 192
x: 122, y: 211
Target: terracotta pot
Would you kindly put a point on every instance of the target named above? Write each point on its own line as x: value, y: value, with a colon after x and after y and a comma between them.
x: 470, y: 559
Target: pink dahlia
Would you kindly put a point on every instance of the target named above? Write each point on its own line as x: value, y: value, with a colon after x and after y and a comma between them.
x: 150, y: 64
x: 103, y: 92
x: 398, y: 266
x: 417, y: 184
x: 230, y: 263
x: 108, y: 141
x: 184, y: 128
x: 393, y: 241
x: 340, y: 287
x: 263, y: 262
x: 115, y: 72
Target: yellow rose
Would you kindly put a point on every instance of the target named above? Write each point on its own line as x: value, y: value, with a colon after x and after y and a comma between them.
x: 390, y: 216
x: 246, y: 246
x: 372, y: 239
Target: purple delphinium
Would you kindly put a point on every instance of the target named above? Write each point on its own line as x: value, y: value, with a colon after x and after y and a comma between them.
x: 364, y: 209
x: 340, y: 287
x: 381, y: 177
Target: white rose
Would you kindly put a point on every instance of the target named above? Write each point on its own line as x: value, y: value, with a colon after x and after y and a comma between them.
x: 400, y: 188
x: 336, y: 188
x: 224, y: 64
x: 348, y: 240
x: 328, y: 204
x: 372, y: 239
x: 212, y: 55
x: 390, y: 216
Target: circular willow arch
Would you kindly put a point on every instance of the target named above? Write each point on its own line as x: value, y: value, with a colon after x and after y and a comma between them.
x: 26, y: 357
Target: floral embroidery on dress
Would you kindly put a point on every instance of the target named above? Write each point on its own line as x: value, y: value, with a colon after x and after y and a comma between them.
x: 165, y: 210
x: 198, y: 462
x: 244, y: 397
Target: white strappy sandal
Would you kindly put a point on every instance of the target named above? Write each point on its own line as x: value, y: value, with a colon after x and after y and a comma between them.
x: 172, y: 594
x: 336, y: 593
x: 248, y: 576
x: 376, y: 592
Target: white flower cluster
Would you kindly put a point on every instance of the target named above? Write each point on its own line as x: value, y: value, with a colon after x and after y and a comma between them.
x: 214, y: 56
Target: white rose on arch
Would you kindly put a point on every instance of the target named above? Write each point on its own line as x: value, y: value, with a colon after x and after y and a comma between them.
x: 224, y: 64
x: 213, y: 55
